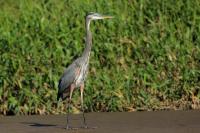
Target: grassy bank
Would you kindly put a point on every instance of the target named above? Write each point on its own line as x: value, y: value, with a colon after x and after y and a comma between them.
x: 146, y: 58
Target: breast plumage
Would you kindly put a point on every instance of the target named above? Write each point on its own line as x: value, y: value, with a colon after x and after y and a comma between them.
x: 81, y: 75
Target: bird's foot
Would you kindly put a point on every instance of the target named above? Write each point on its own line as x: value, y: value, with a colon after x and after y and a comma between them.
x: 68, y: 127
x: 87, y: 127
x: 71, y: 128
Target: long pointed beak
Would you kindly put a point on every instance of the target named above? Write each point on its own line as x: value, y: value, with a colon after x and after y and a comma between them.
x: 104, y: 17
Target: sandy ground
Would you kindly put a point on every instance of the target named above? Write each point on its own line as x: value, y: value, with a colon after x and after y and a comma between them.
x: 135, y: 122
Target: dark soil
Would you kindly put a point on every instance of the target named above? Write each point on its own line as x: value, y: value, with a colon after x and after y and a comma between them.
x: 135, y: 122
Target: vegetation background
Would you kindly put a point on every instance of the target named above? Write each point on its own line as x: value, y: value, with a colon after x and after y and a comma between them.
x: 146, y: 58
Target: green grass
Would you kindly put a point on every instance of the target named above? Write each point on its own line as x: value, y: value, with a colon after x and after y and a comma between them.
x: 146, y: 58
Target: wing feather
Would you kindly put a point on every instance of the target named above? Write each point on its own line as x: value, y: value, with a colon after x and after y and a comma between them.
x: 67, y: 78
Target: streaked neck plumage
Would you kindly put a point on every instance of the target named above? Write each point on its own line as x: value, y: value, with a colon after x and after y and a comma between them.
x: 88, y: 44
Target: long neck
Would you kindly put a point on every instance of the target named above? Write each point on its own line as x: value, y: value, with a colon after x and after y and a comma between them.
x: 86, y: 52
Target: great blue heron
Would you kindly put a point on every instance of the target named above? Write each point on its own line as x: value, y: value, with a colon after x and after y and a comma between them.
x: 76, y: 72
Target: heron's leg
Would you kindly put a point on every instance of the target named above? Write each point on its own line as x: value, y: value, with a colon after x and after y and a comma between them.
x: 82, y: 107
x: 69, y: 104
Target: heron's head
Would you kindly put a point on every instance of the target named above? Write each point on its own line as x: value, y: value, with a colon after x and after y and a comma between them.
x: 96, y: 16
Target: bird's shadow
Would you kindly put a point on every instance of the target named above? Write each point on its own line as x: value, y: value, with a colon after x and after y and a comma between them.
x: 40, y: 125
x: 35, y: 124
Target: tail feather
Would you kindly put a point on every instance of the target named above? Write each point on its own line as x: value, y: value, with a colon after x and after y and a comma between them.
x: 58, y: 96
x: 64, y: 95
x: 63, y: 92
